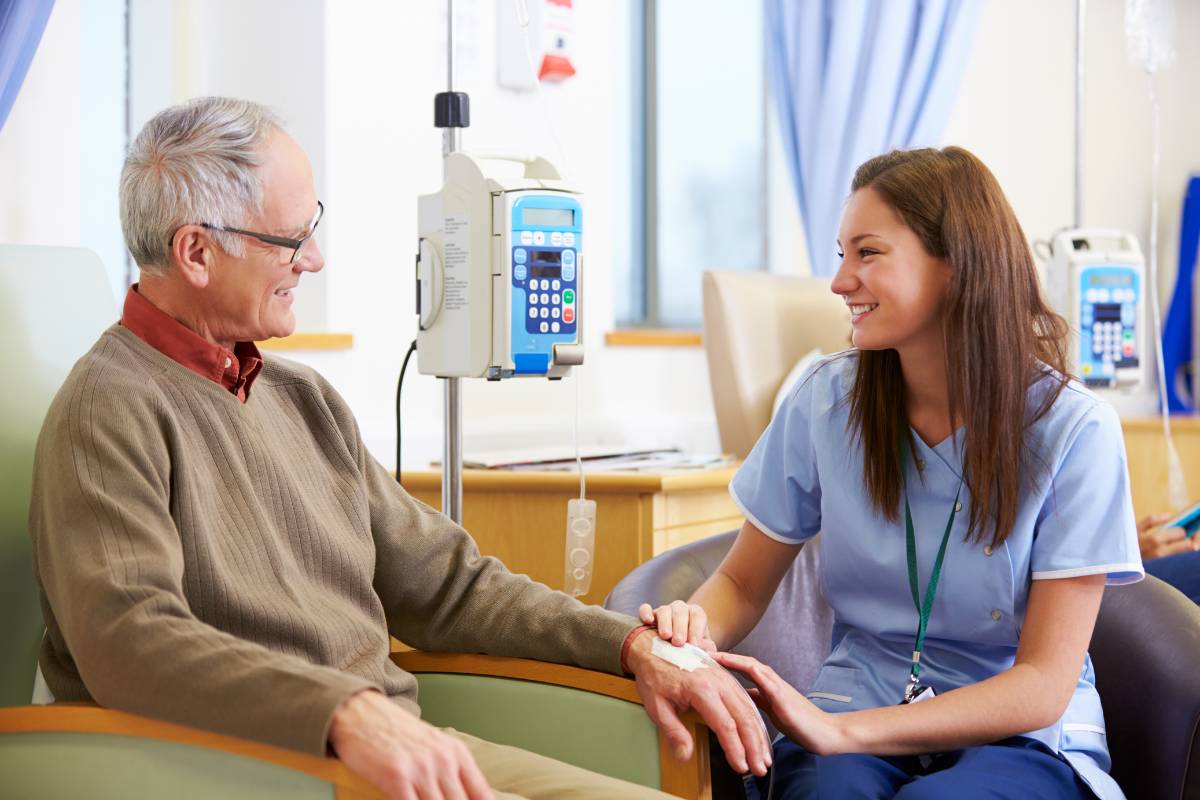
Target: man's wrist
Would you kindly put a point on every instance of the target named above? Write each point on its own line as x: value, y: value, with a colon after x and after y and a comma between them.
x: 338, y: 720
x: 628, y: 656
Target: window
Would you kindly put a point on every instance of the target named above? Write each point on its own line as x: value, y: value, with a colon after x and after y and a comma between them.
x: 699, y: 190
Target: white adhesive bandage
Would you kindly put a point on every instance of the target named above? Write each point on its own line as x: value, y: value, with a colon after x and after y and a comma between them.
x: 687, y: 657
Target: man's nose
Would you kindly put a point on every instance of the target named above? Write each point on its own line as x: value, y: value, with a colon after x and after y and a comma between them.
x: 311, y: 257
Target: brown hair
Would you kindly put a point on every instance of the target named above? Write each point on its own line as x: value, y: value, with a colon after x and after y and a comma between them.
x: 999, y: 335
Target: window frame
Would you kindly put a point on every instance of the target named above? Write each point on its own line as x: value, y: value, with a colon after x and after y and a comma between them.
x: 644, y: 311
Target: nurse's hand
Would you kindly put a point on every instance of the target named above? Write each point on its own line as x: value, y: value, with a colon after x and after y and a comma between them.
x: 679, y: 622
x: 792, y: 713
x: 1155, y: 541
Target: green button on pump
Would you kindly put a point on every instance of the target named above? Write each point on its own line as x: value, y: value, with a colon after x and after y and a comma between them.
x: 568, y: 296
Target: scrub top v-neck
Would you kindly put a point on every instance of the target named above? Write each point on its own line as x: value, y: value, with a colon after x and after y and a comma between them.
x: 1075, y: 517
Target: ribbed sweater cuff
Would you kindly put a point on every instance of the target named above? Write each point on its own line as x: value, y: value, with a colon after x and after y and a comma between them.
x: 316, y: 718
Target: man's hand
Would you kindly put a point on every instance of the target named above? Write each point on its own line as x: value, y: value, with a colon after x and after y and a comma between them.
x: 1156, y: 542
x: 407, y: 758
x: 714, y: 693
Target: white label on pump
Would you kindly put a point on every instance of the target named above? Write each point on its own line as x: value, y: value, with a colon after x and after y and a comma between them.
x: 457, y: 297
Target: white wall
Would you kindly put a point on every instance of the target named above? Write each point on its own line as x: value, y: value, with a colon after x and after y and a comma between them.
x: 268, y: 51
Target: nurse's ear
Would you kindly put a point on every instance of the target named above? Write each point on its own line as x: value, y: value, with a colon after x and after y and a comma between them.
x: 946, y: 274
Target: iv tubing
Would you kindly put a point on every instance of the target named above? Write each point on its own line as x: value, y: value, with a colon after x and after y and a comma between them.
x: 578, y: 460
x: 1176, y: 484
x: 1080, y: 18
x: 522, y: 12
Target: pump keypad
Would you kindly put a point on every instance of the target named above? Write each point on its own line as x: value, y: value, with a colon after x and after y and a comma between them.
x: 547, y: 274
x: 1108, y: 324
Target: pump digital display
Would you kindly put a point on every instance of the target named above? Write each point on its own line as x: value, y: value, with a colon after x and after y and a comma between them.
x: 558, y: 217
x: 545, y: 272
x: 545, y: 256
x: 1111, y: 279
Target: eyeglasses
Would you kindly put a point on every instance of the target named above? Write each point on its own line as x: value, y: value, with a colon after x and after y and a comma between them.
x: 295, y: 245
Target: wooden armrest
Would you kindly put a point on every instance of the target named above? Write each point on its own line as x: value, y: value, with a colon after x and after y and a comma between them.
x: 684, y: 779
x: 86, y: 718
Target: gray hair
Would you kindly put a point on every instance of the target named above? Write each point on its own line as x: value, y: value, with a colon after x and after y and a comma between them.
x: 193, y: 163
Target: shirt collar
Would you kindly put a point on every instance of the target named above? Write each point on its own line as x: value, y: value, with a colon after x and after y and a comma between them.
x: 235, y: 370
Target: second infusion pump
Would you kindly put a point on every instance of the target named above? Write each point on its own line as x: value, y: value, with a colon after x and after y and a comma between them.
x: 1096, y: 278
x: 498, y: 272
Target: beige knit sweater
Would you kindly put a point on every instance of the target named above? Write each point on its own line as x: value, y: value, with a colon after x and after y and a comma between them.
x: 238, y: 567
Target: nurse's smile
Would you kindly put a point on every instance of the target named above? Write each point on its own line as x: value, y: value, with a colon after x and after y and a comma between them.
x: 859, y: 311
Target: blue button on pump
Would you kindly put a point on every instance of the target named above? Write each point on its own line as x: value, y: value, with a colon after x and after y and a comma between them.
x: 531, y: 363
x: 519, y: 272
x: 519, y: 255
x: 568, y: 257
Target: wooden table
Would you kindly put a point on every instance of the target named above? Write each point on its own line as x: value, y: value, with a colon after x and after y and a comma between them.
x: 521, y: 517
x: 1146, y: 452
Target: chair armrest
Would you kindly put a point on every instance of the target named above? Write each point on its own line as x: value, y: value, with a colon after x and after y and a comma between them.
x: 90, y: 719
x: 1145, y: 648
x: 684, y: 779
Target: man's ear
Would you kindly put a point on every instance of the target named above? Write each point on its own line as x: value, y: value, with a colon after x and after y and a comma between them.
x: 192, y: 253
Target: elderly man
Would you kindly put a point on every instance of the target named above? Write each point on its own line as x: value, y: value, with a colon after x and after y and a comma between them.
x: 217, y: 548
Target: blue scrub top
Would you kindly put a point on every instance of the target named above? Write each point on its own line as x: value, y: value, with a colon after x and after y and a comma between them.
x: 1074, y: 518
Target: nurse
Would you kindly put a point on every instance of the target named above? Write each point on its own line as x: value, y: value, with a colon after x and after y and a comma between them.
x: 973, y: 503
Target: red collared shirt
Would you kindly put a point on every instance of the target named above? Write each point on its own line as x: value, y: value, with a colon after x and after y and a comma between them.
x: 234, y: 370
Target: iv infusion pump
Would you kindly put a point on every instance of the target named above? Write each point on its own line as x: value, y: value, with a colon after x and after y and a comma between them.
x: 499, y: 272
x: 1097, y: 280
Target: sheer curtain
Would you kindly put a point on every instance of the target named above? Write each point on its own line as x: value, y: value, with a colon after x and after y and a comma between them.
x: 21, y: 26
x: 856, y: 78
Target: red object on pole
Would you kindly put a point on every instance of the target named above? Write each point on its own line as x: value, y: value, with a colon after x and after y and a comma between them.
x: 555, y: 68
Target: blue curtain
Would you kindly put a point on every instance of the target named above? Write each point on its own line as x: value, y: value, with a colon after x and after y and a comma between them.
x: 21, y: 25
x: 856, y: 78
x: 1182, y: 382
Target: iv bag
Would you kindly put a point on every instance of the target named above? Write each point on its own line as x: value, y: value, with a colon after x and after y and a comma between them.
x: 1148, y: 28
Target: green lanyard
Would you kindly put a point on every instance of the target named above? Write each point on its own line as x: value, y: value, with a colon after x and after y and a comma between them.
x: 930, y: 589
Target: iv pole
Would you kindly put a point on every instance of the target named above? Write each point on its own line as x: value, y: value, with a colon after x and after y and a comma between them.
x: 1080, y: 13
x: 451, y: 114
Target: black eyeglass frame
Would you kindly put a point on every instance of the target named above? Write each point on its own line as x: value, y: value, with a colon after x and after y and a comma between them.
x: 295, y: 245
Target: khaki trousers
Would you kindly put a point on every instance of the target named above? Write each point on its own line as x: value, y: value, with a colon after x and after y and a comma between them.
x: 515, y: 774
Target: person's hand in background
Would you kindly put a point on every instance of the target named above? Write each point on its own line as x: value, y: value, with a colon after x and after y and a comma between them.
x: 1156, y: 541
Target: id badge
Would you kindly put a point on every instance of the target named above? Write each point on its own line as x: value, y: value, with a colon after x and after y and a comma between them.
x: 918, y: 694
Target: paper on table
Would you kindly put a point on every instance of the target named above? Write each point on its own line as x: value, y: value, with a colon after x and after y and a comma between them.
x: 595, y: 459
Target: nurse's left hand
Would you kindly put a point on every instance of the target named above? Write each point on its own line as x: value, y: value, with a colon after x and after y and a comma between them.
x: 792, y: 713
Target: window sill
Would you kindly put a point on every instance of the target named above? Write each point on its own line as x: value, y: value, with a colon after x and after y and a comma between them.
x: 650, y: 337
x: 310, y: 341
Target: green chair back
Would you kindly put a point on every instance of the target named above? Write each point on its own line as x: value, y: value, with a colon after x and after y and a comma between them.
x: 54, y: 303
